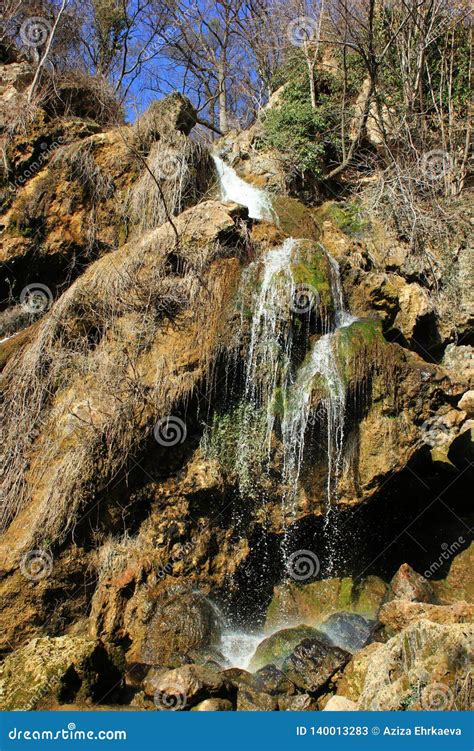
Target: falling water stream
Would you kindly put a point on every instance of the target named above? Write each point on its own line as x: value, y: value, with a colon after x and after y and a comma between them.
x: 269, y: 366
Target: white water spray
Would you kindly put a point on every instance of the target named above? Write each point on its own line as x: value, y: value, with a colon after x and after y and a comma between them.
x: 234, y: 189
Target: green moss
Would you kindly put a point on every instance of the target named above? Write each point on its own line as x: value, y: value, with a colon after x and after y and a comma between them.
x: 357, y: 348
x: 348, y: 217
x: 310, y: 268
x: 295, y: 219
x: 276, y: 647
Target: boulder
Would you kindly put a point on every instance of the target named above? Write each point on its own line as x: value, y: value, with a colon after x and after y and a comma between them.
x: 187, y: 686
x: 348, y: 631
x: 251, y: 700
x: 312, y: 603
x: 213, y: 705
x: 466, y: 403
x: 406, y: 584
x: 352, y: 680
x: 273, y: 681
x: 49, y: 671
x: 279, y: 645
x: 312, y: 663
x: 399, y: 614
x: 298, y: 703
x: 459, y: 583
x: 340, y: 704
x: 425, y: 666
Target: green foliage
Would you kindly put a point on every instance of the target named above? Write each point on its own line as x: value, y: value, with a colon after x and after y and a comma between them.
x: 348, y: 217
x: 308, y: 137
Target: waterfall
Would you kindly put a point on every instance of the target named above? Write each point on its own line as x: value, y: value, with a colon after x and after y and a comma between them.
x: 269, y: 354
x: 234, y: 189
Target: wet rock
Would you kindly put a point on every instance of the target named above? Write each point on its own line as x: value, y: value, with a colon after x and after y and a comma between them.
x: 352, y: 680
x: 49, y: 671
x: 279, y: 645
x: 425, y: 666
x: 406, y: 584
x: 399, y: 614
x: 312, y: 663
x: 184, y: 687
x: 298, y: 703
x: 178, y: 623
x: 213, y: 705
x: 348, y: 631
x: 459, y: 583
x: 312, y: 603
x: 273, y: 681
x: 251, y: 700
x: 340, y: 704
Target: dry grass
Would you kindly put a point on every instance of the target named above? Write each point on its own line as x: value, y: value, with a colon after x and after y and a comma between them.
x: 107, y: 361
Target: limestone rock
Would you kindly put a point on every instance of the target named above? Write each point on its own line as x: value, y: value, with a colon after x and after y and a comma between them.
x: 298, y: 703
x: 406, y: 584
x: 49, y: 671
x: 399, y: 614
x: 251, y: 700
x: 348, y: 631
x: 352, y: 681
x: 184, y: 687
x: 213, y: 705
x: 312, y: 663
x: 176, y: 623
x: 340, y: 704
x: 425, y: 666
x: 273, y: 681
x: 279, y: 645
x: 312, y: 603
x: 466, y: 403
x: 459, y: 583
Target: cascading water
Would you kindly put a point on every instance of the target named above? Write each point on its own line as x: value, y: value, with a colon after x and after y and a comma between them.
x: 234, y: 189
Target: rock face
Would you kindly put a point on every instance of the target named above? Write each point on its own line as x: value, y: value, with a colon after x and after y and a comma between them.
x: 408, y: 585
x: 426, y: 666
x: 47, y: 672
x: 312, y: 603
x: 348, y: 631
x: 312, y: 663
x: 146, y: 477
x: 399, y: 614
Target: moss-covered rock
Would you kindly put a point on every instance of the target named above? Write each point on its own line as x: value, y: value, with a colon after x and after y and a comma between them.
x: 312, y: 603
x: 49, y: 671
x: 279, y: 645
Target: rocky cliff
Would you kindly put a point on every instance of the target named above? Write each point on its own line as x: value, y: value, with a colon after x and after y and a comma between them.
x: 224, y: 411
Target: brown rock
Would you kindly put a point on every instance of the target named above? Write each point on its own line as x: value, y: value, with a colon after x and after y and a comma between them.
x: 399, y: 614
x: 185, y: 687
x: 298, y: 703
x: 312, y: 663
x: 213, y: 705
x: 425, y: 666
x: 466, y: 403
x: 406, y: 584
x: 340, y: 704
x: 353, y: 678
